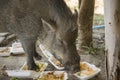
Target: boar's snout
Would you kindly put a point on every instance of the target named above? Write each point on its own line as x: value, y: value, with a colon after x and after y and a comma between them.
x: 73, y: 65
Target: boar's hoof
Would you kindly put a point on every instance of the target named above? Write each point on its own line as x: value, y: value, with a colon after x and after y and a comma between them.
x: 37, y: 56
x: 33, y: 67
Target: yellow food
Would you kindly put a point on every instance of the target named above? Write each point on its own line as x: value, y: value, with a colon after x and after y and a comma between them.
x: 40, y: 65
x: 86, y: 70
x: 84, y: 66
x: 56, y: 62
x: 4, y: 50
x: 52, y: 76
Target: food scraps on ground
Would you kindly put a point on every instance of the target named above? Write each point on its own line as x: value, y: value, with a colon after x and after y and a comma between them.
x: 4, y: 50
x: 56, y: 62
x: 41, y: 66
x: 86, y: 70
x: 52, y: 76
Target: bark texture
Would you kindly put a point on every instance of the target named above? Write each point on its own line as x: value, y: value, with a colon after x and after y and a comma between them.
x: 112, y: 32
x: 86, y: 12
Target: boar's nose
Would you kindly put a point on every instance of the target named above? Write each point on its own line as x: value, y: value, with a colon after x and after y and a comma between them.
x: 75, y: 68
x: 72, y: 68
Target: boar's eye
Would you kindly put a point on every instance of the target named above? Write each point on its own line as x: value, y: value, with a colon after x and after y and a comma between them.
x: 59, y: 43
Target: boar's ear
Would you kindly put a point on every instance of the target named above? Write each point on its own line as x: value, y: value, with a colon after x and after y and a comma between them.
x: 75, y: 14
x: 49, y: 26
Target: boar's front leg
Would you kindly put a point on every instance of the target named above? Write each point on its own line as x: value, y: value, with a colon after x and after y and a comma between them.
x: 37, y: 56
x: 29, y: 47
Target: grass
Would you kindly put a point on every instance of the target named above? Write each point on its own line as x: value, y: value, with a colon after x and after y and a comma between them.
x: 98, y: 19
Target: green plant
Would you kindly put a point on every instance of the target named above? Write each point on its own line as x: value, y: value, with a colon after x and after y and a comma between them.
x: 14, y: 78
x: 90, y: 50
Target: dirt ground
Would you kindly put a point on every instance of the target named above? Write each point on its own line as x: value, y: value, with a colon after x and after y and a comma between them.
x: 98, y: 58
x: 16, y: 62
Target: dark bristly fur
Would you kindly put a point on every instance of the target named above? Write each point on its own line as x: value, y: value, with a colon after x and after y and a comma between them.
x: 23, y: 17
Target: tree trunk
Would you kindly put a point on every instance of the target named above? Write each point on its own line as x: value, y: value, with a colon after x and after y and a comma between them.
x: 79, y: 3
x: 112, y: 39
x: 86, y: 12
